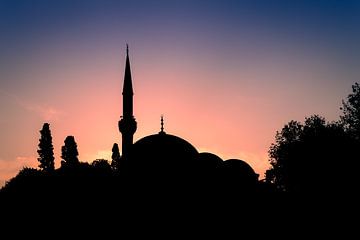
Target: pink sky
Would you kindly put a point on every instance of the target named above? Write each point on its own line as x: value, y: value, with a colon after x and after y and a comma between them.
x: 232, y: 112
x: 226, y: 75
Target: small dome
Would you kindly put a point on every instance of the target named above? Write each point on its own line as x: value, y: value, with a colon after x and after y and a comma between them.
x: 239, y: 169
x: 209, y: 160
x: 210, y: 157
x: 239, y: 165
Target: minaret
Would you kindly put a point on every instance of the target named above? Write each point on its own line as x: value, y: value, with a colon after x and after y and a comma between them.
x: 127, y: 123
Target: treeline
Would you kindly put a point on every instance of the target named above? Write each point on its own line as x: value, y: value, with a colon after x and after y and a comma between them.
x: 317, y: 156
x: 69, y: 153
x: 71, y: 178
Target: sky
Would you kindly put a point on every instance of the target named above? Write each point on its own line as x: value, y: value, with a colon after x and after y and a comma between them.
x: 226, y: 75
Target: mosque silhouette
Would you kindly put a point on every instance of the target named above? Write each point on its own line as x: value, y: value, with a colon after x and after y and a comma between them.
x: 153, y: 168
x: 162, y: 158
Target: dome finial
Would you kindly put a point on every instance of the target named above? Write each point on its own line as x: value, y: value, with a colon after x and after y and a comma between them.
x: 162, y: 124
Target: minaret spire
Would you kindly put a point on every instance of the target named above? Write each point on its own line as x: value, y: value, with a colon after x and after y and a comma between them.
x: 127, y: 88
x: 127, y: 124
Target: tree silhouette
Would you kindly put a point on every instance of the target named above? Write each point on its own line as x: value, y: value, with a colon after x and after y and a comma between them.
x: 280, y: 152
x: 46, y: 149
x: 102, y: 166
x: 316, y: 157
x: 69, y: 152
x: 115, y: 157
x: 351, y: 112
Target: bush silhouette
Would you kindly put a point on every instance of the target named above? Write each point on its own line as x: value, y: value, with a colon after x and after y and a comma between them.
x: 69, y: 152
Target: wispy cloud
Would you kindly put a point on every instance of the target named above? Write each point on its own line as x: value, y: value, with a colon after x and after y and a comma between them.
x: 45, y: 111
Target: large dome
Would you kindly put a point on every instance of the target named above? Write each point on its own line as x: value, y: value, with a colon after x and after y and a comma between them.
x: 162, y: 152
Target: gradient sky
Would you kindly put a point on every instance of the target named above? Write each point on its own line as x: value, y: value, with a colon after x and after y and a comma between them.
x: 226, y: 74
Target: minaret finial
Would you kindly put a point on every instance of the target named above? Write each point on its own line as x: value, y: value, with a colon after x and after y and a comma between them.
x: 162, y: 124
x: 127, y: 49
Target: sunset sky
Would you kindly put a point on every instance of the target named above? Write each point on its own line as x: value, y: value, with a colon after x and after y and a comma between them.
x: 226, y: 75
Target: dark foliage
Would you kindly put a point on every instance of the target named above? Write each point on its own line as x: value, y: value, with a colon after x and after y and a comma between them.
x: 314, y: 157
x: 46, y: 149
x: 69, y: 152
x: 115, y: 158
x: 102, y: 166
x: 318, y: 157
x: 351, y: 112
